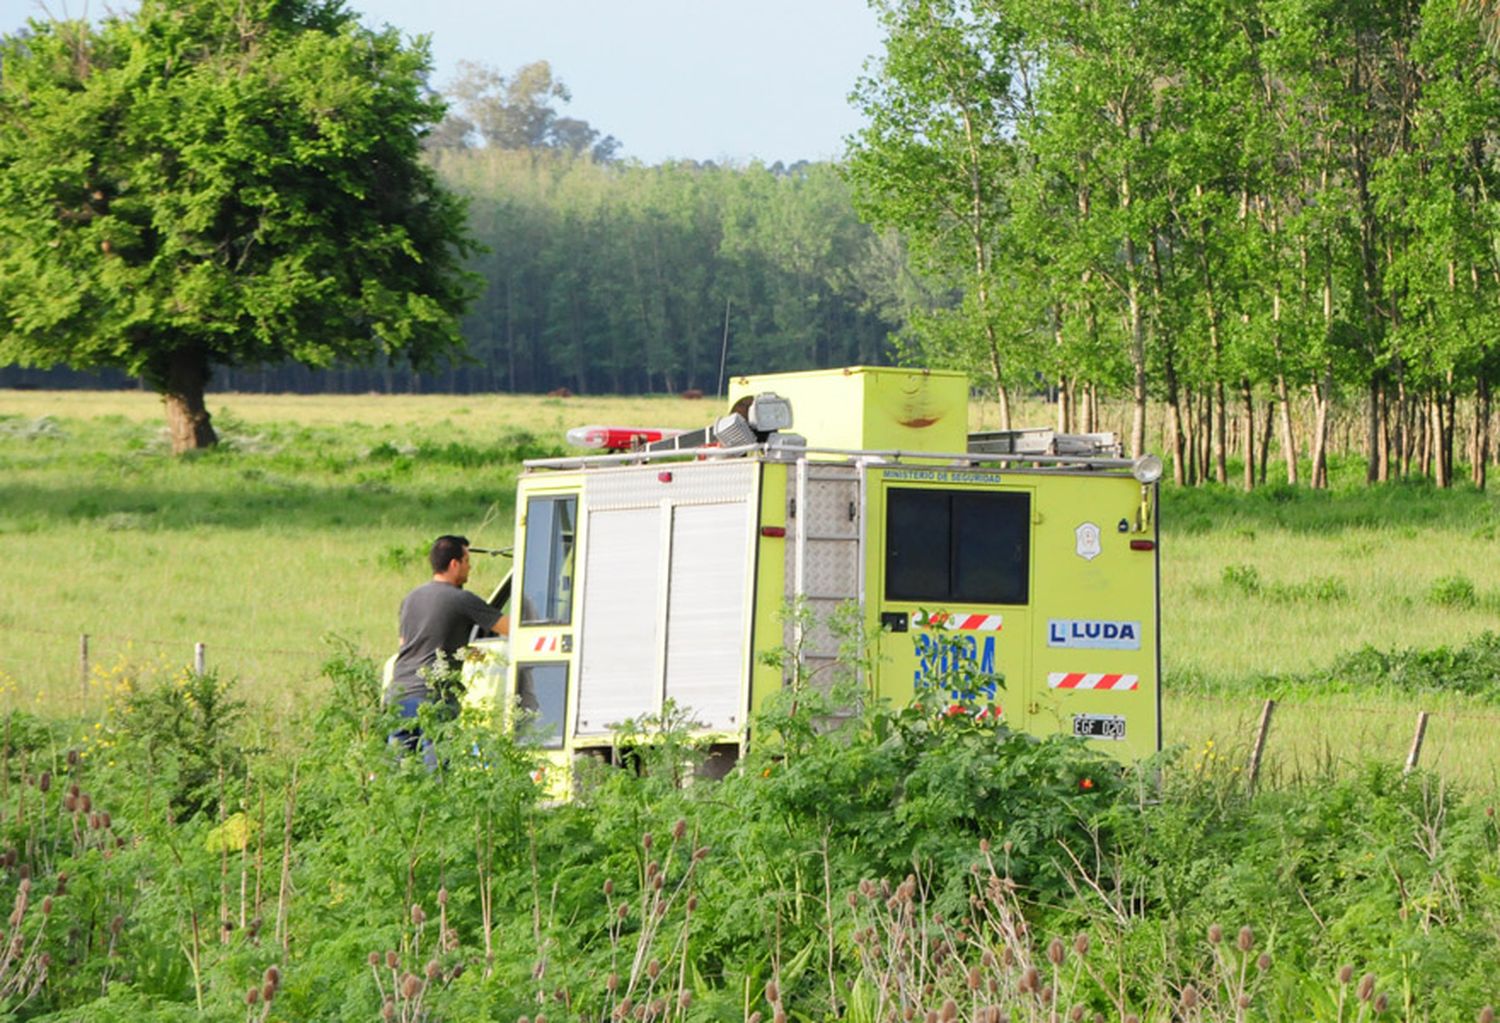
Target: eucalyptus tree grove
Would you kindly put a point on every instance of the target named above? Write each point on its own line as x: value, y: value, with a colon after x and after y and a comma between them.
x: 1230, y: 206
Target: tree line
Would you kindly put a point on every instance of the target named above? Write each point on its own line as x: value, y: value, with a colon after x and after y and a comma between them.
x: 1223, y: 205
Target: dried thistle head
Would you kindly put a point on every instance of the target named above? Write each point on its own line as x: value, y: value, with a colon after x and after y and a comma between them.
x: 442, y: 896
x: 1189, y: 997
x: 272, y: 976
x: 1487, y: 1014
x: 1263, y: 962
x: 1215, y: 934
x: 44, y: 782
x: 1055, y: 952
x: 1346, y: 974
x: 1081, y: 943
x: 374, y: 960
x: 1075, y: 1014
x: 1246, y: 939
x: 972, y: 981
x: 1366, y: 989
x: 647, y: 841
x: 1382, y: 1003
x: 116, y: 925
x: 392, y: 960
x: 950, y: 1011
x: 411, y: 986
x: 684, y: 999
x: 609, y: 887
x: 612, y: 982
x: 653, y: 969
x: 418, y: 915
x: 388, y: 1009
x: 773, y: 991
x: 252, y: 997
x: 679, y: 829
x: 700, y: 854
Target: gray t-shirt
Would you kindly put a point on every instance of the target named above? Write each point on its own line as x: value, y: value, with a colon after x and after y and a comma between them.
x: 434, y: 617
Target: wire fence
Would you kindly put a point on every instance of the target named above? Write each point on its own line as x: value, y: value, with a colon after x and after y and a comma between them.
x: 59, y: 671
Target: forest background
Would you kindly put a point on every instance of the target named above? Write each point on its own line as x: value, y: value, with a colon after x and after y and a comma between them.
x: 1257, y: 214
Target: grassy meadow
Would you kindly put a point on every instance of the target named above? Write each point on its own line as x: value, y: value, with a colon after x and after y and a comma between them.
x: 178, y: 855
x: 303, y: 531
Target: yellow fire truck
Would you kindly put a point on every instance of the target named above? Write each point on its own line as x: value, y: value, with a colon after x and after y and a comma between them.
x: 663, y: 572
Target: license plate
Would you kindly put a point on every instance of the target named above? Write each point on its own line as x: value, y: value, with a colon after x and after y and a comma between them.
x: 1098, y: 726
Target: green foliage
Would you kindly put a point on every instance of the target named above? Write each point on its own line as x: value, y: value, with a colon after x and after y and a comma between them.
x: 191, y: 186
x: 835, y: 834
x: 187, y: 727
x: 1246, y: 580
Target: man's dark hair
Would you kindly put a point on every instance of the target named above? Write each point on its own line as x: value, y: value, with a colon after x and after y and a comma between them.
x: 446, y: 549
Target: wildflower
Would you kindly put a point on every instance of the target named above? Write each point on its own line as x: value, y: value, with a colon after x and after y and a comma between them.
x: 1086, y: 784
x: 954, y: 710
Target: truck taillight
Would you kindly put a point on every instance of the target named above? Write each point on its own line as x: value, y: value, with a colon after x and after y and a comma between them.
x: 617, y: 438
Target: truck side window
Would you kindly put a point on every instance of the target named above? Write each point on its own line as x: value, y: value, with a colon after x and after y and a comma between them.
x: 547, y: 575
x: 949, y: 546
x: 542, y: 689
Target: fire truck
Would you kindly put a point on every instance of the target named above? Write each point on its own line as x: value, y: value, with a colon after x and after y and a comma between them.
x: 661, y: 568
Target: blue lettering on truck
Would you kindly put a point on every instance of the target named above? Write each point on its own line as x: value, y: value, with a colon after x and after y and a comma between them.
x: 942, y: 661
x: 1092, y: 634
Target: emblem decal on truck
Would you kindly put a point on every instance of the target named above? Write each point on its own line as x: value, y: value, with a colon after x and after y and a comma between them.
x: 1093, y: 634
x: 1087, y: 535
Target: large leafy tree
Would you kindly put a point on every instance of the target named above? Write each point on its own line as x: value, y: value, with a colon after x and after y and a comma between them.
x: 221, y: 183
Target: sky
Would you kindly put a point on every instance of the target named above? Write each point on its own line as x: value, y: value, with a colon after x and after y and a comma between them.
x: 671, y: 79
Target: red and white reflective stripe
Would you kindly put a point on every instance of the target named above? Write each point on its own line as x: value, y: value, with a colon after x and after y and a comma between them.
x: 544, y: 645
x: 1097, y: 680
x: 961, y: 620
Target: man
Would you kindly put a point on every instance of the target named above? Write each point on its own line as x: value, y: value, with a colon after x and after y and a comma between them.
x: 436, y: 619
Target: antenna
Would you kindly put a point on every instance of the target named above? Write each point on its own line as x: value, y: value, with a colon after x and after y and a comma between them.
x: 724, y: 349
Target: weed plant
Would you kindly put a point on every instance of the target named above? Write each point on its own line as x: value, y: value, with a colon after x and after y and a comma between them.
x: 897, y: 864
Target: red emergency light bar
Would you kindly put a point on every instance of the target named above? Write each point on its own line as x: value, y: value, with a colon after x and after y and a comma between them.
x: 618, y: 438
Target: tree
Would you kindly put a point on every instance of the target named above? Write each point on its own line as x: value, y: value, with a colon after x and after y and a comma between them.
x: 210, y: 183
x: 517, y: 113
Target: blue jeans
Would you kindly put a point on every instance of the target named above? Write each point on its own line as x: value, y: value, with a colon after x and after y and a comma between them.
x: 408, y: 739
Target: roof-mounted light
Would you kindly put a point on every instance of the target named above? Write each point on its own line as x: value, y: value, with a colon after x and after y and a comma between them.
x: 618, y: 438
x: 1146, y: 469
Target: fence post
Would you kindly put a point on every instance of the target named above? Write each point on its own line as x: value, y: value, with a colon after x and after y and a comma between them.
x: 1415, y: 753
x: 83, y: 669
x: 200, y: 658
x: 1259, y: 749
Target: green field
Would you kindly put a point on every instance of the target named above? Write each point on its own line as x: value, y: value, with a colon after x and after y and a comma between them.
x: 310, y: 523
x: 283, y: 832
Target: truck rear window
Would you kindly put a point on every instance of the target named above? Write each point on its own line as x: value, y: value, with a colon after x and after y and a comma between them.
x: 952, y: 546
x: 547, y: 575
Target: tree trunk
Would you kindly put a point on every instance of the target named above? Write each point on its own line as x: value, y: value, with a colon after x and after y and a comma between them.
x: 1481, y: 432
x: 1288, y: 439
x: 1247, y: 400
x: 182, y: 394
x: 1265, y: 439
x: 1321, y: 396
